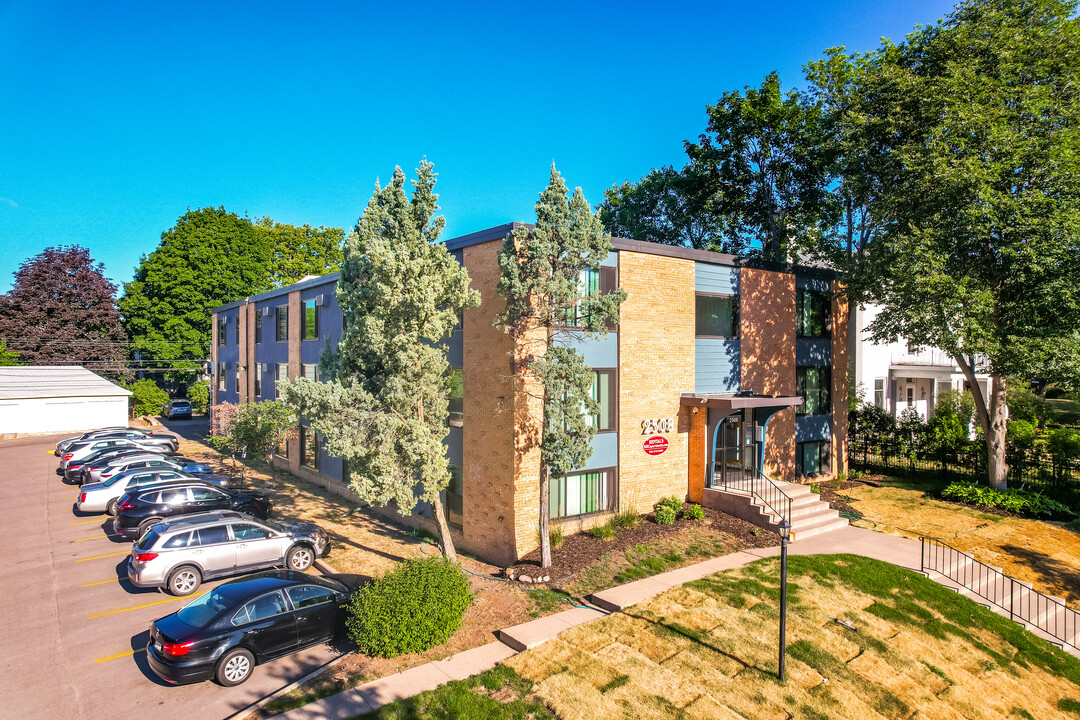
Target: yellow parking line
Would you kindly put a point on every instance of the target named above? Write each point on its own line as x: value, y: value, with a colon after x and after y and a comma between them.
x: 87, y: 522
x: 95, y: 537
x: 137, y: 607
x: 99, y: 557
x: 101, y: 582
x: 120, y: 655
x: 50, y: 452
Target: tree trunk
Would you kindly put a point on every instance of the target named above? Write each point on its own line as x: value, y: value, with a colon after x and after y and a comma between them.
x: 992, y: 421
x: 545, y: 517
x: 444, y: 530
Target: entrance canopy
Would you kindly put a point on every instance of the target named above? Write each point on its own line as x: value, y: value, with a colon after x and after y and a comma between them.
x: 738, y: 401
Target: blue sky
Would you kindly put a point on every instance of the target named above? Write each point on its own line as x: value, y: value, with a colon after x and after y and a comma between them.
x: 116, y: 117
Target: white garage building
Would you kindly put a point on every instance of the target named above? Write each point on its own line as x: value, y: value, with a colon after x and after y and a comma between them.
x: 58, y: 398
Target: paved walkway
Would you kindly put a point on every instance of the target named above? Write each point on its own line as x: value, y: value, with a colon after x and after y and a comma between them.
x: 371, y: 696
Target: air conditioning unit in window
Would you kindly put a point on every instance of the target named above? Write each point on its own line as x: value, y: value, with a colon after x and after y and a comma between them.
x: 320, y: 300
x: 266, y: 311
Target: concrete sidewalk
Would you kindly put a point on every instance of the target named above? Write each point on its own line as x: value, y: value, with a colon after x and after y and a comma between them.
x: 371, y: 696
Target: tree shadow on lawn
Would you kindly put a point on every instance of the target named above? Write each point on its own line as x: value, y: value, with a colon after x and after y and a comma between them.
x: 1052, y: 571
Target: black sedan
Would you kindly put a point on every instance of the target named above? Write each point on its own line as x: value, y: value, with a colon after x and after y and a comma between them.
x: 143, y: 508
x: 225, y: 633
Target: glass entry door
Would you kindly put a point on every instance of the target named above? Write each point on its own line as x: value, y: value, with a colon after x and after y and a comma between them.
x: 735, y: 453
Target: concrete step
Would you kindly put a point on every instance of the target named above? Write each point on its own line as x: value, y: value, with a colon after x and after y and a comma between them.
x: 818, y: 528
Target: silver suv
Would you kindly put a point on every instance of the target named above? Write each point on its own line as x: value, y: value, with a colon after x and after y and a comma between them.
x: 180, y: 554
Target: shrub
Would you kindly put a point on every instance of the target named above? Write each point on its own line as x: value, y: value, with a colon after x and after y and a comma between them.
x: 146, y: 397
x: 1023, y: 502
x: 627, y: 518
x: 695, y: 512
x: 413, y: 608
x: 1064, y: 445
x: 816, y: 489
x: 1020, y: 434
x: 668, y: 509
x: 555, y: 535
x: 603, y: 532
x: 199, y: 395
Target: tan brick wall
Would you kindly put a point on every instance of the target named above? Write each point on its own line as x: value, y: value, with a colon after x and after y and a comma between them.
x: 840, y: 380
x: 490, y: 485
x: 656, y: 365
x: 767, y: 346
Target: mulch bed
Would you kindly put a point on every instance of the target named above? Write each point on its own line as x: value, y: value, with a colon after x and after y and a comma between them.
x: 580, y: 550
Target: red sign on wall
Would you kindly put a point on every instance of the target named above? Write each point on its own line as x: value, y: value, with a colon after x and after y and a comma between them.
x: 655, y: 445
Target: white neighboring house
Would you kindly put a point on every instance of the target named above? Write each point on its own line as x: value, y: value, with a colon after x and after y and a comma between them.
x: 37, y: 399
x: 897, y: 376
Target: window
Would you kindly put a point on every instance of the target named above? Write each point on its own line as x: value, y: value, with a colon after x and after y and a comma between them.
x: 258, y: 379
x: 813, y: 458
x: 456, y: 416
x: 174, y: 497
x: 309, y: 447
x: 811, y: 314
x: 214, y: 535
x: 258, y: 326
x: 603, y: 391
x: 222, y: 328
x: 221, y: 376
x: 310, y: 327
x: 582, y: 493
x: 879, y: 392
x: 455, y: 497
x: 812, y: 383
x: 237, y: 333
x: 717, y: 316
x: 307, y: 595
x: 177, y: 541
x: 282, y: 323
x: 260, y: 609
x: 591, y: 283
x: 311, y: 372
x: 244, y: 531
x: 282, y: 375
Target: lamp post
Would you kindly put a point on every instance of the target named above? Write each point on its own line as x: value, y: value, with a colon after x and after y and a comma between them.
x: 785, y: 531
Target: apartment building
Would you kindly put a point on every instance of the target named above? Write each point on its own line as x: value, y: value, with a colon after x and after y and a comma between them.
x: 718, y: 370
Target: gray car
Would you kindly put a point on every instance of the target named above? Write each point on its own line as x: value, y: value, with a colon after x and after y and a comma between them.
x: 179, y: 554
x: 127, y: 463
x: 102, y: 496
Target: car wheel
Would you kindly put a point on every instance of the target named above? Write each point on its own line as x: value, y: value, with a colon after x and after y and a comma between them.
x: 110, y: 507
x: 300, y: 558
x: 184, y: 580
x: 146, y: 525
x: 248, y: 510
x: 235, y: 667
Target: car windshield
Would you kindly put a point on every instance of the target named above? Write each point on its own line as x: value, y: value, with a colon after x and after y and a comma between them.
x: 199, y: 612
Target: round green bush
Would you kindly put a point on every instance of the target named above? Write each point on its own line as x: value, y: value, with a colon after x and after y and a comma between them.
x: 695, y: 513
x: 416, y: 607
x: 664, y: 514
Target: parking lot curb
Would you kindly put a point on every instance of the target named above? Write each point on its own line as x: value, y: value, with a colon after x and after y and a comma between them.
x: 324, y: 567
x: 288, y: 688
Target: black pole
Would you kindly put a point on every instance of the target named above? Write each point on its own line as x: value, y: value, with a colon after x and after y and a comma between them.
x: 783, y: 602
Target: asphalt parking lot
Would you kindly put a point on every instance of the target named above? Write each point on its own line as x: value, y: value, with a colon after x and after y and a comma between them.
x: 73, y: 631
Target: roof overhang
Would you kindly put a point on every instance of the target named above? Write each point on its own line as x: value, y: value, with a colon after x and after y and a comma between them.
x: 739, y: 401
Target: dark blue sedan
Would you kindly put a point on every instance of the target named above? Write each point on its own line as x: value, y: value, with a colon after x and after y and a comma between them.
x: 225, y: 633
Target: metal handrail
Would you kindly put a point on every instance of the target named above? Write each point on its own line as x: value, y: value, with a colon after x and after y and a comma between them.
x: 764, y: 489
x: 1024, y: 603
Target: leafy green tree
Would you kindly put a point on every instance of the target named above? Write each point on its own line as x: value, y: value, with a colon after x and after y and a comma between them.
x: 260, y: 427
x: 146, y: 397
x: 384, y: 408
x: 8, y: 357
x: 1021, y: 435
x: 974, y: 123
x: 61, y: 310
x: 541, y: 270
x: 199, y: 395
x: 958, y: 403
x: 209, y: 258
x: 1025, y: 404
x: 299, y: 251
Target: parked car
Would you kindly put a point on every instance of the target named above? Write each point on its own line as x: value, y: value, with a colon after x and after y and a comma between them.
x: 138, y: 511
x: 179, y: 554
x: 103, y: 496
x: 97, y: 432
x: 177, y: 409
x: 126, y: 463
x: 224, y: 633
x: 101, y: 458
x: 84, y: 448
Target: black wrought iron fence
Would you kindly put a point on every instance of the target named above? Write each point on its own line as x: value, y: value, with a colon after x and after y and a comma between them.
x: 1022, y: 602
x: 765, y: 489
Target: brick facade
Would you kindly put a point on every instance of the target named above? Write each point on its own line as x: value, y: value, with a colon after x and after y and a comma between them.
x: 767, y: 343
x: 656, y: 365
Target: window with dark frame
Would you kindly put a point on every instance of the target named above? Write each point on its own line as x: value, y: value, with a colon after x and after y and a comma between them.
x: 812, y: 384
x: 583, y: 493
x: 879, y: 392
x: 237, y: 333
x: 717, y: 316
x: 813, y: 458
x: 455, y: 501
x: 281, y: 375
x: 282, y: 318
x: 311, y: 372
x: 456, y: 398
x: 309, y: 448
x: 812, y: 314
x: 310, y: 321
x: 258, y: 326
x: 222, y: 330
x: 258, y: 379
x: 592, y: 282
x: 222, y: 379
x: 604, y: 392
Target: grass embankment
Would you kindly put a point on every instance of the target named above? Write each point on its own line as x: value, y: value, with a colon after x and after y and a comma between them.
x: 1042, y: 553
x: 709, y: 650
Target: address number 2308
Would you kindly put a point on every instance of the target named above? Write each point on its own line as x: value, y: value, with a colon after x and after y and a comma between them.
x: 652, y: 426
